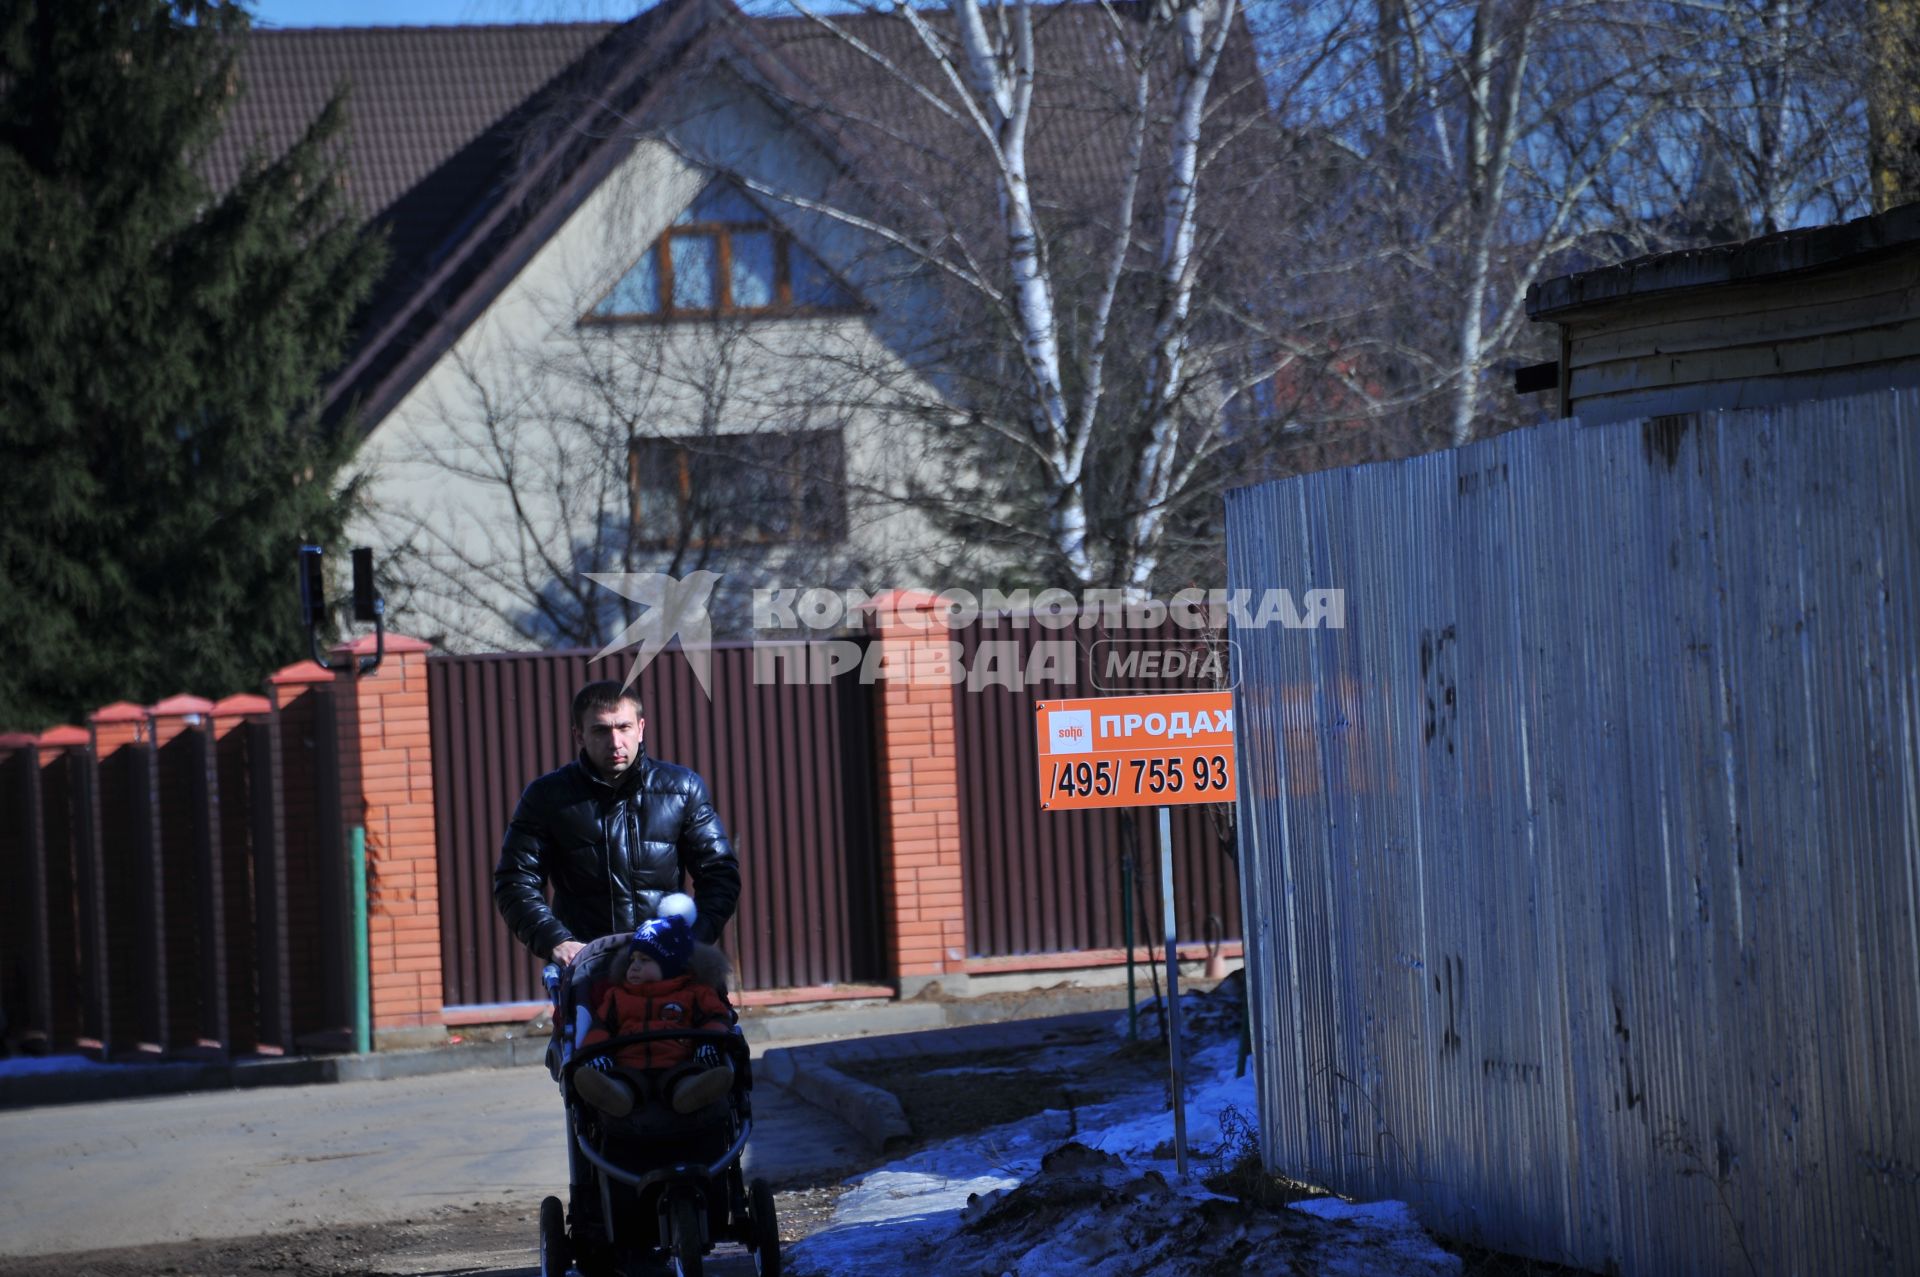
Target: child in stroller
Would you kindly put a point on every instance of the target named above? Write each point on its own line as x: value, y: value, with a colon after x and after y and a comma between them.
x: 655, y: 1150
x: 669, y: 983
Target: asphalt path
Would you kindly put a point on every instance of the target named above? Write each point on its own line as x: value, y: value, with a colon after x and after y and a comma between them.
x: 275, y: 1160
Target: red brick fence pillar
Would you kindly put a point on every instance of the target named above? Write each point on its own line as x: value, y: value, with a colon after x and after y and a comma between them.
x: 386, y: 777
x: 922, y: 890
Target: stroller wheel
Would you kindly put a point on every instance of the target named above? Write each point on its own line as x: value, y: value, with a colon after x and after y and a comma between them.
x: 764, y: 1229
x: 553, y: 1238
x: 687, y: 1242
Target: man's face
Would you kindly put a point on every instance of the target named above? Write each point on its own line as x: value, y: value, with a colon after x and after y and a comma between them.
x: 611, y: 738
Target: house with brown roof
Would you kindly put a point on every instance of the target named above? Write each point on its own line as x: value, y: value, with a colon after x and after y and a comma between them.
x: 638, y: 317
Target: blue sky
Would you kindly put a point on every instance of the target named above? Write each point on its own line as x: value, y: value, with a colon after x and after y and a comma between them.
x: 357, y: 13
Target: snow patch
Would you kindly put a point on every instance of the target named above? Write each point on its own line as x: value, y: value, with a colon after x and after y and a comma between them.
x: 1084, y: 1194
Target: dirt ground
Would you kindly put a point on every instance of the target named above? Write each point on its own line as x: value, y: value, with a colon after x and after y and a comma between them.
x: 942, y: 1096
x: 494, y: 1239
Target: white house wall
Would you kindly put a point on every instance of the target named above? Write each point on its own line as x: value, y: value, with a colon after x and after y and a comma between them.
x: 529, y: 391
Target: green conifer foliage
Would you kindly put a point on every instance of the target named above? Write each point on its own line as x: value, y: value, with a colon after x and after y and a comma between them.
x: 161, y: 344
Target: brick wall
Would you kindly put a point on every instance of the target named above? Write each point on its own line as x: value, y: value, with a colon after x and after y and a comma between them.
x: 386, y: 769
x: 921, y: 883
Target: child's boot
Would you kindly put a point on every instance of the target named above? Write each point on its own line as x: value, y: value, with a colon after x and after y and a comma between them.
x: 610, y: 1094
x: 697, y: 1090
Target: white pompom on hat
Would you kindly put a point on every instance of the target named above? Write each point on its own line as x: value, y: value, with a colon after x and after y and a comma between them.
x: 680, y: 905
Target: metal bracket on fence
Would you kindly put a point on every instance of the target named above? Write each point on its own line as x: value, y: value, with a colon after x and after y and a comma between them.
x: 368, y: 605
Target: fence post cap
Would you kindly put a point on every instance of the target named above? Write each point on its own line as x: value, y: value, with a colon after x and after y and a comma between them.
x: 180, y: 704
x: 65, y: 734
x: 904, y: 609
x: 396, y: 643
x: 241, y: 703
x: 300, y: 672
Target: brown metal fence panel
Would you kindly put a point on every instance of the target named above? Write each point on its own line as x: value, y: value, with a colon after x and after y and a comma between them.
x: 33, y: 940
x: 192, y: 895
x: 84, y: 853
x: 1049, y: 882
x: 314, y: 870
x: 152, y: 912
x: 233, y: 779
x: 137, y: 976
x: 788, y: 766
x: 266, y: 793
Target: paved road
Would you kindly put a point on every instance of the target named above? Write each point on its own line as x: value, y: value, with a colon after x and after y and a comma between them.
x: 246, y: 1163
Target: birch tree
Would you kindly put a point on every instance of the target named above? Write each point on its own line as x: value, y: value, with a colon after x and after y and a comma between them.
x: 1519, y: 122
x: 1505, y: 141
x: 1773, y: 105
x: 1238, y: 266
x: 1121, y: 376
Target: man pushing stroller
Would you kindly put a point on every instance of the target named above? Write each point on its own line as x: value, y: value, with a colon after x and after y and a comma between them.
x: 613, y: 833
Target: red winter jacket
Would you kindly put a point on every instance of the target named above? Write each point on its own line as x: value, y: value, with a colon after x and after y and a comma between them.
x: 679, y: 1003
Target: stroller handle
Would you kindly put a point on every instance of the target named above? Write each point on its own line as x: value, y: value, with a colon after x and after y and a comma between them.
x: 550, y: 976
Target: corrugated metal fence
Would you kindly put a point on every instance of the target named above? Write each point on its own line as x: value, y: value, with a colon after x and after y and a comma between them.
x: 789, y: 766
x: 1584, y: 862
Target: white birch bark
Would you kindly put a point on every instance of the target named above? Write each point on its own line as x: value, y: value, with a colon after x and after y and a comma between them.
x: 1201, y: 28
x: 998, y: 75
x: 989, y: 60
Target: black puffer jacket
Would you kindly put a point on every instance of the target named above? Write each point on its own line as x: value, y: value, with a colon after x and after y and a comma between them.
x: 611, y: 852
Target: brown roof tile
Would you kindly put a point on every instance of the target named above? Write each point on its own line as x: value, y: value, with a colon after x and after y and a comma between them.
x: 419, y: 95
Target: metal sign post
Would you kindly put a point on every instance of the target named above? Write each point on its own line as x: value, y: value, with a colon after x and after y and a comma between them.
x: 1142, y: 751
x: 1173, y: 992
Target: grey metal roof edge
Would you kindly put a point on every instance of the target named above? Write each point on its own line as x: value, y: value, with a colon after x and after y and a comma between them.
x: 1743, y: 261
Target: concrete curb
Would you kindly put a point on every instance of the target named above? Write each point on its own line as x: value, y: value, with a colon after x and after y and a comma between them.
x: 874, y: 1113
x: 89, y: 1082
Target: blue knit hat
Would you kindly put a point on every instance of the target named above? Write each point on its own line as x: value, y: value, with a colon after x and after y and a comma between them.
x: 668, y: 941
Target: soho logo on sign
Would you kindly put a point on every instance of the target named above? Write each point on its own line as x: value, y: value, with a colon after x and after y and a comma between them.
x: 1071, y: 731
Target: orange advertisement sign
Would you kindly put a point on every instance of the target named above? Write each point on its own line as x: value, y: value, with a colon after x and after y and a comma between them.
x: 1135, y: 751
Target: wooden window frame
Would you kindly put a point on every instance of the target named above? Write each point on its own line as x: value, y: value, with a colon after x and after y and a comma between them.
x: 722, y: 233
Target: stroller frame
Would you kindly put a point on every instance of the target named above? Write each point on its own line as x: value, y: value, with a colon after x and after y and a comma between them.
x: 688, y: 1219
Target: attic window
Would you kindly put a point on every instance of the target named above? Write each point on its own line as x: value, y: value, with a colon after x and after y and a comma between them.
x: 723, y: 256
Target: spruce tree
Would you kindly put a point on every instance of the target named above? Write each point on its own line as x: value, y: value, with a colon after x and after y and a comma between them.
x: 161, y: 345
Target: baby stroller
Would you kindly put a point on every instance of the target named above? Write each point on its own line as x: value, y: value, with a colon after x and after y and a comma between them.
x: 655, y: 1186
